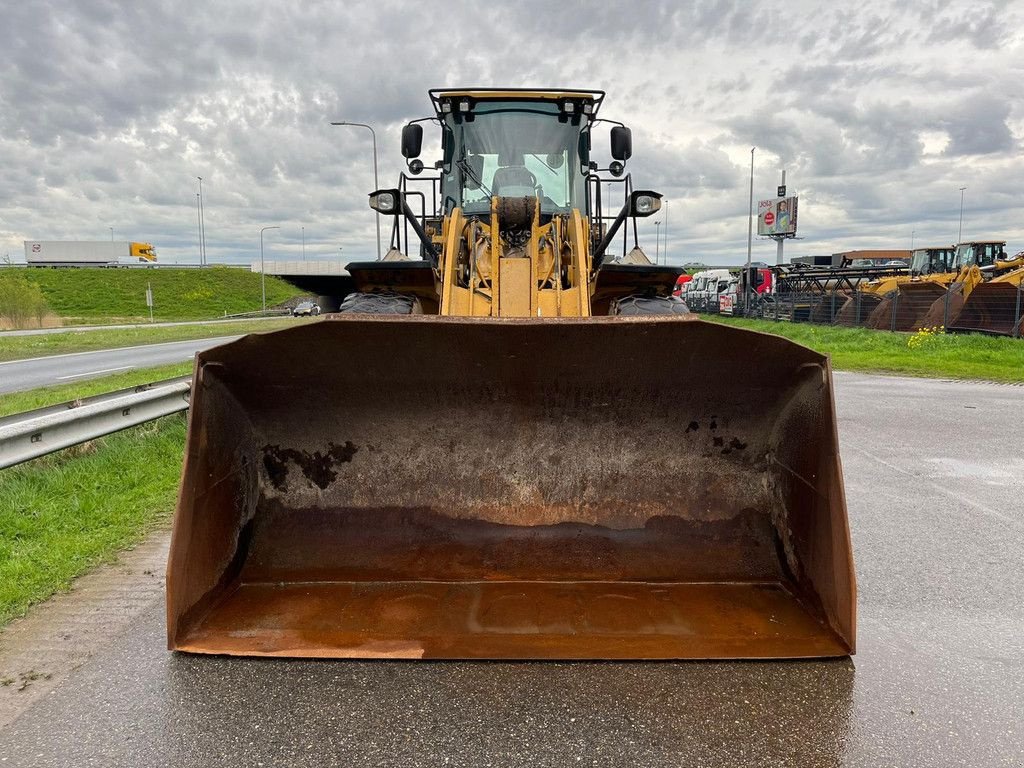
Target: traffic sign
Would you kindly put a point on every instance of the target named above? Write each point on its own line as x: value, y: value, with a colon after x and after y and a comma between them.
x: 781, y: 191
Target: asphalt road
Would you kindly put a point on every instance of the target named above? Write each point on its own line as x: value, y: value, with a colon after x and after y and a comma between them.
x: 18, y: 375
x: 934, y: 479
x: 85, y: 328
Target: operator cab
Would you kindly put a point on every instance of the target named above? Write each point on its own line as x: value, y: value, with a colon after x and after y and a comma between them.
x: 982, y: 254
x: 931, y: 261
x: 509, y: 143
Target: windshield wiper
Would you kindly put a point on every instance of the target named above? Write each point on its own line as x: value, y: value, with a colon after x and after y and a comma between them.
x: 544, y: 162
x: 464, y: 166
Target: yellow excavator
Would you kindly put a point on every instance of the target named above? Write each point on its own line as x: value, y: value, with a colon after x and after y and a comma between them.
x: 509, y: 443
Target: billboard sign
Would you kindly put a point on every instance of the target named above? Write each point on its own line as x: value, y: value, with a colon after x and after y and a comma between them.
x: 777, y: 217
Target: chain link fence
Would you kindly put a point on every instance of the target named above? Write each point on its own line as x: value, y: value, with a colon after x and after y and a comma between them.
x: 993, y: 308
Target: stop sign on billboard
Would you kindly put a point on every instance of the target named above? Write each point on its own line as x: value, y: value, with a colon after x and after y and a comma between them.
x: 769, y: 218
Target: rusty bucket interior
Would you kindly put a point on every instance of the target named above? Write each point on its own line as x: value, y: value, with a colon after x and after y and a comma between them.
x: 455, y: 488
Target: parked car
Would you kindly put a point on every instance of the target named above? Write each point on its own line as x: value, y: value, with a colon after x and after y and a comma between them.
x: 306, y: 309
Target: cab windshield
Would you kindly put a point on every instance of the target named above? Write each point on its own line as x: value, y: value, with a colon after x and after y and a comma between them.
x: 981, y: 254
x: 514, y: 149
x: 931, y: 261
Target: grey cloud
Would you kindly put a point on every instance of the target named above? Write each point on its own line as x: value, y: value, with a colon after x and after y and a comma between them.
x: 984, y: 26
x: 109, y: 111
x: 977, y: 126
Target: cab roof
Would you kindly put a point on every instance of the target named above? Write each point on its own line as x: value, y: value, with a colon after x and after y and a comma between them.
x: 566, y: 96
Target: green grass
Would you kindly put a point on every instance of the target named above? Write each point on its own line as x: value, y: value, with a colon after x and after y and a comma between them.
x: 18, y: 402
x: 22, y: 347
x: 63, y: 514
x: 956, y: 356
x: 109, y: 295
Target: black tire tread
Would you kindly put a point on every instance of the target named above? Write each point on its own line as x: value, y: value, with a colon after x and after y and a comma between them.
x: 378, y: 304
x: 638, y: 305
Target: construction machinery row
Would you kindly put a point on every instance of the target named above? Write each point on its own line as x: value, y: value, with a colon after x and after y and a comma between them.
x: 971, y: 287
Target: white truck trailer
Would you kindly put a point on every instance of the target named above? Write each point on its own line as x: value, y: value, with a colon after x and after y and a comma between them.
x: 87, y: 253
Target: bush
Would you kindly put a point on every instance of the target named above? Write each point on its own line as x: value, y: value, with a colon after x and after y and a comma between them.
x: 21, y: 302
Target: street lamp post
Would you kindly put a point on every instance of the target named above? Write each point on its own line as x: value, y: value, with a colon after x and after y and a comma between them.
x: 199, y: 228
x: 202, y: 224
x: 657, y: 242
x: 664, y: 258
x: 263, y: 273
x: 960, y: 229
x: 750, y: 235
x: 303, y: 243
x: 912, y: 238
x: 111, y: 233
x: 376, y: 181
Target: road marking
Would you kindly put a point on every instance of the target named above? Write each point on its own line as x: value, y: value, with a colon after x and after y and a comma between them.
x: 222, y: 339
x: 93, y: 373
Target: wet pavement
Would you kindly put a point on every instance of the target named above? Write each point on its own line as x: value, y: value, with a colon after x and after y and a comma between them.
x: 935, y: 486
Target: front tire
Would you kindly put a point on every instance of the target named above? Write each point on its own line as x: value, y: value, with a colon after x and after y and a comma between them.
x: 638, y: 306
x: 380, y: 304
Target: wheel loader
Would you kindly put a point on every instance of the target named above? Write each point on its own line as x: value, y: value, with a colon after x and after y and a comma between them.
x: 510, y: 442
x: 940, y: 281
x: 995, y: 306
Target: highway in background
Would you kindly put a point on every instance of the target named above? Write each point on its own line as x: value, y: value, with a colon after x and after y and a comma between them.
x: 934, y: 480
x: 83, y: 328
x: 19, y: 375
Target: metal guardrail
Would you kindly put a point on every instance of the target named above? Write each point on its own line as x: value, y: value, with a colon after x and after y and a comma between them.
x: 32, y: 434
x: 258, y: 313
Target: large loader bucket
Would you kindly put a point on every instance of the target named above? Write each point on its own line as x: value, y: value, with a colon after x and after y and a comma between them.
x: 856, y: 310
x: 996, y: 308
x: 425, y: 487
x: 905, y: 308
x: 946, y: 308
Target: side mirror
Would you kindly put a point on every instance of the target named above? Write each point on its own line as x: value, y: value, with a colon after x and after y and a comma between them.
x: 622, y: 143
x: 412, y: 140
x: 387, y: 201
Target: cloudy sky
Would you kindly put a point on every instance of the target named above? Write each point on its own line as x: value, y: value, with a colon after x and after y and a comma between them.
x: 879, y: 112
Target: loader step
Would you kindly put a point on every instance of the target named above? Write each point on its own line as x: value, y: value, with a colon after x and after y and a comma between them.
x: 513, y: 620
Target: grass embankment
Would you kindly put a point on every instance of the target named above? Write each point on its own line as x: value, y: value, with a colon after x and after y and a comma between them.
x: 22, y: 347
x: 98, y: 296
x: 956, y: 356
x: 63, y: 514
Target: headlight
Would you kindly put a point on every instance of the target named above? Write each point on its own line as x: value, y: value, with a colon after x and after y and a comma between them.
x: 385, y: 201
x: 646, y: 203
